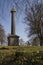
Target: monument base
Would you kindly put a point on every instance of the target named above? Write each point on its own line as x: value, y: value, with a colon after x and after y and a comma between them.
x: 13, y: 40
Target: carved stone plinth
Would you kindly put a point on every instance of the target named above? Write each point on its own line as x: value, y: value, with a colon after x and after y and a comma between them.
x: 13, y: 40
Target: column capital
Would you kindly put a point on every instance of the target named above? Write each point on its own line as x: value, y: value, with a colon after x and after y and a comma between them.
x: 13, y: 9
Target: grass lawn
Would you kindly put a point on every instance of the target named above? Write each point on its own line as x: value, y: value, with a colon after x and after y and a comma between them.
x: 13, y: 49
x: 21, y: 55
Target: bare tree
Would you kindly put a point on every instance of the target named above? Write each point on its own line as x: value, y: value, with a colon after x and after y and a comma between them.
x: 21, y: 42
x: 34, y: 19
x: 2, y: 34
x: 36, y: 41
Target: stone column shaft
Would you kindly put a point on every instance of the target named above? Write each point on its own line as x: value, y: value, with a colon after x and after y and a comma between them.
x: 13, y: 22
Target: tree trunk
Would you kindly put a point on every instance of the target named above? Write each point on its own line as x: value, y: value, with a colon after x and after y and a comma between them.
x: 1, y: 43
x: 41, y: 41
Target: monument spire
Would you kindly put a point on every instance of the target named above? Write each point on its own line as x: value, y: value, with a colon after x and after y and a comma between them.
x: 13, y: 11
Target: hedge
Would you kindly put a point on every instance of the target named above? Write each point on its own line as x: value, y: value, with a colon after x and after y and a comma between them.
x: 21, y: 58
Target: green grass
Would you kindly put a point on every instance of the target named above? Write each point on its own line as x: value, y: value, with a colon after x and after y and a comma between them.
x: 13, y: 49
x: 22, y: 54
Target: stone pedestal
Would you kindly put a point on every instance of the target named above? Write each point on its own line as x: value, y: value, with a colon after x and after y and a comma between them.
x: 13, y: 40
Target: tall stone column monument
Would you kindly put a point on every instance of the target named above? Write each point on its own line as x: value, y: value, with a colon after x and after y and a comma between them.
x: 13, y: 39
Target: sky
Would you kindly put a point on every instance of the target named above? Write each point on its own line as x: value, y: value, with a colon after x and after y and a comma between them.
x: 5, y: 17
